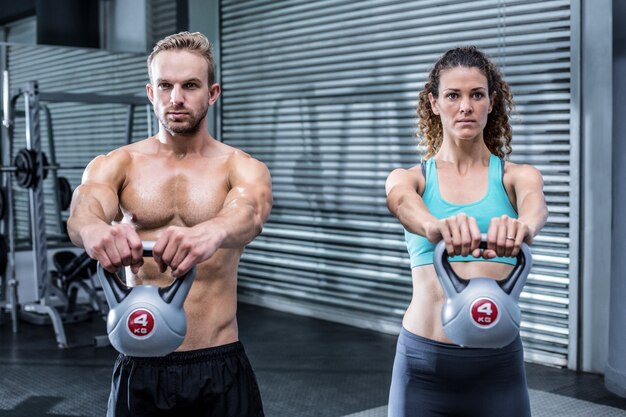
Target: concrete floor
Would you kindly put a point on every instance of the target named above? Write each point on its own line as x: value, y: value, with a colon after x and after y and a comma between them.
x: 305, y: 368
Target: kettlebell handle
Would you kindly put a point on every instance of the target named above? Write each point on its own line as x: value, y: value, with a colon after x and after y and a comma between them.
x: 148, y: 246
x: 458, y: 284
x: 119, y: 290
x: 167, y: 293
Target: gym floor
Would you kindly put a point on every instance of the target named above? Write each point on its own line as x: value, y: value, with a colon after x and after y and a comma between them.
x: 305, y: 368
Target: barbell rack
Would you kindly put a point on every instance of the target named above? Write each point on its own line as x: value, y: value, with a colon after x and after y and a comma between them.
x: 32, y: 97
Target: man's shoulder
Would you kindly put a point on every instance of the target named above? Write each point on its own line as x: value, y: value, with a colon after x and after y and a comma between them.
x: 140, y: 146
x: 229, y: 150
x: 235, y: 155
x: 125, y: 153
x: 112, y: 166
x: 241, y: 164
x: 119, y: 157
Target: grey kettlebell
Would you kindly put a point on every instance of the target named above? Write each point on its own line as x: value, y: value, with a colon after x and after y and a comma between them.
x: 481, y: 312
x: 146, y: 320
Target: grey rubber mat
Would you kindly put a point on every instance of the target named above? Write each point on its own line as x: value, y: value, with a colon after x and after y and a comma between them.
x: 543, y: 404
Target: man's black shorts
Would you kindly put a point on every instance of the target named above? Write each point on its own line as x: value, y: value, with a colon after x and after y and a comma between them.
x: 213, y: 382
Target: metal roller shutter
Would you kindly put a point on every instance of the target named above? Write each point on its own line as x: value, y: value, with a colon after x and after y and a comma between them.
x: 162, y: 19
x: 22, y: 31
x: 80, y: 131
x: 324, y: 92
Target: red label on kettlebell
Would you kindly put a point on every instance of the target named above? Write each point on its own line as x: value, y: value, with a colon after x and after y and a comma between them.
x: 141, y: 322
x: 484, y: 312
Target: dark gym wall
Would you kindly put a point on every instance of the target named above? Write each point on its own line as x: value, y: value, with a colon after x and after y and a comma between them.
x: 11, y: 10
x: 59, y: 22
x: 77, y: 22
x: 68, y: 23
x: 182, y: 15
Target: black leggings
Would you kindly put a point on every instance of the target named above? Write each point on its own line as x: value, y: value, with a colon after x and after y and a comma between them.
x: 213, y: 382
x: 438, y: 379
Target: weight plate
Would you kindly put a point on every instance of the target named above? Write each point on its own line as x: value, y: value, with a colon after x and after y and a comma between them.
x: 65, y: 192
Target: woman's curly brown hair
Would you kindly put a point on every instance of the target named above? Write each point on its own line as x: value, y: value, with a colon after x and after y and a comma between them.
x: 497, y: 132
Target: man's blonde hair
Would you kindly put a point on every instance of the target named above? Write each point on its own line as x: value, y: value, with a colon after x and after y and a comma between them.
x: 194, y: 42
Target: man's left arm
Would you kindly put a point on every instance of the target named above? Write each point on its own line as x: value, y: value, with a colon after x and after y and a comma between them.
x: 247, y: 205
x: 246, y: 208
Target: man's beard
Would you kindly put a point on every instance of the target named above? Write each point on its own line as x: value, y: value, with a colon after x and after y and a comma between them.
x: 190, y: 127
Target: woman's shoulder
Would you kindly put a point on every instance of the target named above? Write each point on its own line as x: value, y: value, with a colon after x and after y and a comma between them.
x: 412, y: 177
x: 514, y: 173
x: 519, y: 169
x: 415, y: 172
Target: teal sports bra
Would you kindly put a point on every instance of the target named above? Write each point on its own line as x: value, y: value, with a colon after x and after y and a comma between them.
x: 494, y: 204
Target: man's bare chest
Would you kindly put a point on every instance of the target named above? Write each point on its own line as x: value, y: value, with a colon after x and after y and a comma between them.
x: 152, y: 200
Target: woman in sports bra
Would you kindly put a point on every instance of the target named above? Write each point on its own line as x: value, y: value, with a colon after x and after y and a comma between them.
x: 463, y: 188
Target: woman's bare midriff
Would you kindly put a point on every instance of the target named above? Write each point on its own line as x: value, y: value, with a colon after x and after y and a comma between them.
x: 423, y: 317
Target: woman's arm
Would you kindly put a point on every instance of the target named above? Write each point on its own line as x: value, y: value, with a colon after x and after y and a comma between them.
x: 404, y: 201
x: 506, y: 234
x: 531, y: 203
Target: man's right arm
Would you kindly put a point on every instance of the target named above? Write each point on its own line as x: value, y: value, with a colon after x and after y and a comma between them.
x: 95, y: 205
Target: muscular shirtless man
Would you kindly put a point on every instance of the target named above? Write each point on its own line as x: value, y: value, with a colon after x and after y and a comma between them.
x: 202, y: 201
